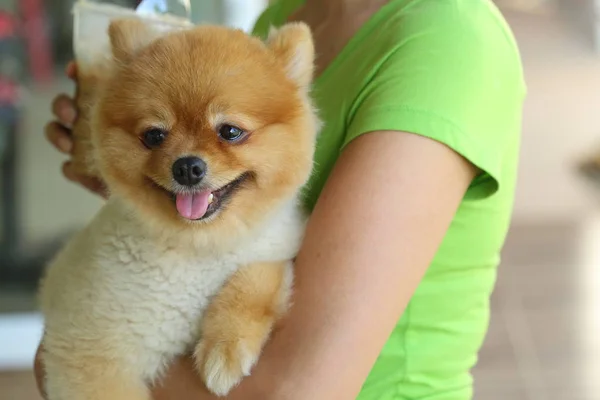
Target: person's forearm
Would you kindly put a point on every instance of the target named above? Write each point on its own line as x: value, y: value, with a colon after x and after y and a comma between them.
x: 359, y: 265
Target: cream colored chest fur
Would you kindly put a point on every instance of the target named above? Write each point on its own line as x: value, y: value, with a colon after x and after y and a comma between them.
x: 143, y: 296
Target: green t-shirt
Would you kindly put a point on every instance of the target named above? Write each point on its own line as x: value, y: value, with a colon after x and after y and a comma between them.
x: 449, y: 70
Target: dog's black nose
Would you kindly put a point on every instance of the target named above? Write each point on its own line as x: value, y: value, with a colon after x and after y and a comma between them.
x: 189, y: 171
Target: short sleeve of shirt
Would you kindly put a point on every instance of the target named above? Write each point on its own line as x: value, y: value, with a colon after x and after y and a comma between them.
x: 449, y: 73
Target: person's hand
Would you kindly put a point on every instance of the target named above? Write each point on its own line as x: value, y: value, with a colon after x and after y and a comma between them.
x: 58, y: 132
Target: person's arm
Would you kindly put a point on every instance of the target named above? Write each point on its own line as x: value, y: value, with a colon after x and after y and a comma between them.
x: 375, y: 229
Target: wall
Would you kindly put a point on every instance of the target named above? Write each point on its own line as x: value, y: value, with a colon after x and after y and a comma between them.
x: 561, y: 116
x: 236, y: 13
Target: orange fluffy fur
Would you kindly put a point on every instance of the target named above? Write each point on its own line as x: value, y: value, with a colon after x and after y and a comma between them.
x: 190, y: 83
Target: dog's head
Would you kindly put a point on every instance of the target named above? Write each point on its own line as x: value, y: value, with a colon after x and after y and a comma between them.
x: 208, y: 127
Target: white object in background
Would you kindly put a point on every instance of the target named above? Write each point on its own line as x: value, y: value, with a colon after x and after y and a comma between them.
x: 242, y: 14
x: 20, y: 336
x: 588, y: 316
x: 91, y: 21
x: 179, y: 8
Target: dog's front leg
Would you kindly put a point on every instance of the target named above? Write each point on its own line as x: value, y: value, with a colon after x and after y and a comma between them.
x: 239, y: 321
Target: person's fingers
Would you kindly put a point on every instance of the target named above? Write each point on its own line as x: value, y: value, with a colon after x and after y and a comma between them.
x: 63, y: 107
x: 59, y: 136
x: 92, y: 184
x: 71, y: 70
x: 38, y: 370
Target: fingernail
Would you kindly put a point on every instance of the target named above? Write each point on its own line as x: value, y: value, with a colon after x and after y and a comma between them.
x: 69, y: 115
x: 65, y: 144
x: 70, y: 70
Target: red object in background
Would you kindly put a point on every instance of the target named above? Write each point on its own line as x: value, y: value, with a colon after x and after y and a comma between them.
x: 8, y: 88
x: 7, y: 25
x: 8, y: 92
x: 36, y: 37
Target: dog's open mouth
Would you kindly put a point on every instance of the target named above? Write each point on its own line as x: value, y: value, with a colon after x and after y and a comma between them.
x: 201, y: 204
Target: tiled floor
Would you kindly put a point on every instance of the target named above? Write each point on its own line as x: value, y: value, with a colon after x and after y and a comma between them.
x: 544, y: 338
x: 18, y: 386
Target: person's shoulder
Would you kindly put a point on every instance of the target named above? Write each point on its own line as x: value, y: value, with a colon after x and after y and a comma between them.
x: 431, y: 31
x: 451, y: 22
x: 449, y: 70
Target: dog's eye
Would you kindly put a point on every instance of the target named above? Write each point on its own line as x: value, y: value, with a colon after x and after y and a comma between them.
x: 154, y: 137
x: 231, y: 133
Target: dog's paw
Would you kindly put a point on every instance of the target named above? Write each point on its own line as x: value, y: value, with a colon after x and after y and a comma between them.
x: 223, y: 364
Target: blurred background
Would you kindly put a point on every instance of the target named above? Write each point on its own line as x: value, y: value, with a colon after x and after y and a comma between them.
x: 544, y: 339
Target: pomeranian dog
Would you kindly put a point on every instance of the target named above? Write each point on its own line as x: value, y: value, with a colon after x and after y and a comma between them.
x: 205, y: 138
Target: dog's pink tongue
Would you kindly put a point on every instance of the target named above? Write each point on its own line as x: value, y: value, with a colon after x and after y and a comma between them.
x: 192, y: 206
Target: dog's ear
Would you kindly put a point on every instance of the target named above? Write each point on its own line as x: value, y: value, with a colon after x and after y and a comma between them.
x: 293, y: 46
x: 128, y: 36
